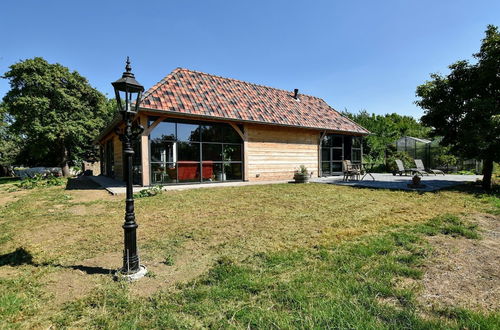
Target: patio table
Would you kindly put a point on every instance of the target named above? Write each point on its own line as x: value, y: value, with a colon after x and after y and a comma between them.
x: 368, y: 171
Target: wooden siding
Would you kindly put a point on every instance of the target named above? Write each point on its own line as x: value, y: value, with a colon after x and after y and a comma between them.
x: 274, y: 153
x: 117, y: 145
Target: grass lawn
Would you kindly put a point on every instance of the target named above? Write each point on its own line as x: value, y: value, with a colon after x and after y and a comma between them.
x: 267, y: 256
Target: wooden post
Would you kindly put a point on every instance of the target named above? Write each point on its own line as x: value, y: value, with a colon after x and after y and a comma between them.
x: 245, y: 153
x: 145, y: 151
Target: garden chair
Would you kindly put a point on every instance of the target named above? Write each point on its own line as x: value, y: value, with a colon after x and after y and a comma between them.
x: 401, y: 168
x: 420, y: 167
x: 350, y: 170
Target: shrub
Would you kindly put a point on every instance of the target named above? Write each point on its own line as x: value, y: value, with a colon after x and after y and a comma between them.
x: 302, y: 170
x: 151, y: 191
x: 40, y: 180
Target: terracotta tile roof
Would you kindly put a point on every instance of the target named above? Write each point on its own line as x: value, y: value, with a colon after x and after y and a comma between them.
x: 201, y: 94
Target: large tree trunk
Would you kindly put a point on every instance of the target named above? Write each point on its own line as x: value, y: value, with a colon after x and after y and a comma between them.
x: 64, y: 161
x: 487, y: 172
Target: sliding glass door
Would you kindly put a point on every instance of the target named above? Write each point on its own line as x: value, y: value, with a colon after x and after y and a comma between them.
x: 335, y: 149
x: 332, y: 154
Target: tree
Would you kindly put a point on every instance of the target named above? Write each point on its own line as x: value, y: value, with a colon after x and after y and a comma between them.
x: 10, y: 144
x: 385, y: 130
x: 56, y: 111
x: 464, y: 105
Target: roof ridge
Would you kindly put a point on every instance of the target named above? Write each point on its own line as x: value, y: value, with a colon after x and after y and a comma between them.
x: 242, y: 81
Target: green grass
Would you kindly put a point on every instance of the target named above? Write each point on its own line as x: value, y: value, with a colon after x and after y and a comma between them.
x: 341, y: 286
x: 278, y: 256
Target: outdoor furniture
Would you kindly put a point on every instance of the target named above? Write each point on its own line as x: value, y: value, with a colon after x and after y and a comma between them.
x: 401, y: 168
x: 420, y: 166
x: 366, y: 172
x: 350, y: 170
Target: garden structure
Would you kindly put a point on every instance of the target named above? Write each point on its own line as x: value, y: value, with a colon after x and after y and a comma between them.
x: 203, y: 128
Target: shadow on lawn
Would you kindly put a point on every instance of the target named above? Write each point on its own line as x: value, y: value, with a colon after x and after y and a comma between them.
x: 22, y: 257
x: 82, y: 183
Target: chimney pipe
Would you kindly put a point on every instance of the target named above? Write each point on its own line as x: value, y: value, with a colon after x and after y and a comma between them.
x: 296, y: 93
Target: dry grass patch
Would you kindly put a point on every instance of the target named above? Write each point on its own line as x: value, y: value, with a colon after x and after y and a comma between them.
x: 465, y: 273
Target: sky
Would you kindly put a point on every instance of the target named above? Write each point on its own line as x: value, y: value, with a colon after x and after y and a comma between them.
x: 354, y: 54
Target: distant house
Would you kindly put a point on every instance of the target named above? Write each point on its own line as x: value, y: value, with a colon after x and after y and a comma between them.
x: 205, y: 128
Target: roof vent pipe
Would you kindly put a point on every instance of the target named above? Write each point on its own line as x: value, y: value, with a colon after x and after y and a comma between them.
x: 296, y: 93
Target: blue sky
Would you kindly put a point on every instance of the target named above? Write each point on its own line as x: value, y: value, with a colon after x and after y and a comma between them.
x: 355, y: 54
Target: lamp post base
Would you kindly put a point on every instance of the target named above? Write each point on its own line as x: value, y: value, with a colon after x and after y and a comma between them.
x: 131, y: 277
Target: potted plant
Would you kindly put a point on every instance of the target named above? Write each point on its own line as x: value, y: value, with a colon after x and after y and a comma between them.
x: 301, y: 175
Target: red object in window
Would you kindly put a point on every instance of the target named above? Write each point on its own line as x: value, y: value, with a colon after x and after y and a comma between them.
x: 188, y: 170
x: 208, y: 170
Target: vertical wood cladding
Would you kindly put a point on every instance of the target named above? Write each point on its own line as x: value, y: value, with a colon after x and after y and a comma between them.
x: 274, y: 153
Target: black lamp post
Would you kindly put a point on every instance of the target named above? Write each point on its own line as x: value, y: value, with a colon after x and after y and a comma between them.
x: 128, y: 96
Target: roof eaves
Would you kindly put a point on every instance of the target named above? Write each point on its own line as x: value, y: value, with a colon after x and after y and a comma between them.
x: 182, y: 114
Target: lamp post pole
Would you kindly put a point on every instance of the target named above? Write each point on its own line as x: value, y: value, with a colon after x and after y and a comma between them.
x: 130, y: 256
x: 128, y: 86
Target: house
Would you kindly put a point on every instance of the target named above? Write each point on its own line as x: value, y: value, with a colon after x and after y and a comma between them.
x: 205, y: 128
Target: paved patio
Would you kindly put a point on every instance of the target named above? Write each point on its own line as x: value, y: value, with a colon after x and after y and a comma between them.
x: 382, y: 181
x: 389, y: 181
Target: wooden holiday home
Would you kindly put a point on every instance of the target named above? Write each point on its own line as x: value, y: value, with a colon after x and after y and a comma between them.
x: 202, y: 128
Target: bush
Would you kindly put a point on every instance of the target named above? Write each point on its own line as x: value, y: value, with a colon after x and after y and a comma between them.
x: 40, y: 180
x: 151, y: 191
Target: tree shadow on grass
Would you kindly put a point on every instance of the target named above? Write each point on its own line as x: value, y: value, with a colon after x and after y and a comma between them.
x: 82, y: 183
x: 475, y: 189
x: 22, y: 257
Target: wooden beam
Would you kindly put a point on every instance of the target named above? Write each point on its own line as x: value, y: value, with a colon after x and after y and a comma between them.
x: 238, y: 130
x: 144, y: 140
x: 319, y: 153
x: 245, y: 153
x: 147, y: 130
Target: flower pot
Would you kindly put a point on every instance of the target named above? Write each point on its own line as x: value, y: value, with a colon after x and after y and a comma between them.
x: 301, y: 178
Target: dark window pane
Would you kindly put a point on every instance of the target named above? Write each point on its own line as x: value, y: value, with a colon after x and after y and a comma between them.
x: 356, y: 142
x: 232, y: 152
x: 230, y: 135
x: 163, y: 173
x: 211, y: 133
x: 212, y: 151
x: 212, y: 172
x: 188, y: 171
x: 162, y: 151
x: 233, y: 171
x: 325, y: 154
x: 188, y: 151
x: 188, y: 132
x: 325, y: 168
x: 337, y: 140
x: 336, y: 167
x: 163, y: 131
x: 336, y: 154
x: 327, y: 141
x: 356, y: 155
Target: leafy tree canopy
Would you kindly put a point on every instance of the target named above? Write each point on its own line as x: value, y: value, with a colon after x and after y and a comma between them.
x: 386, y: 129
x: 55, y: 110
x: 464, y: 105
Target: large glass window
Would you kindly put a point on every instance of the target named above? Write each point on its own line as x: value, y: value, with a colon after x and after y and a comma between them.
x: 335, y: 148
x: 356, y: 150
x: 189, y: 151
